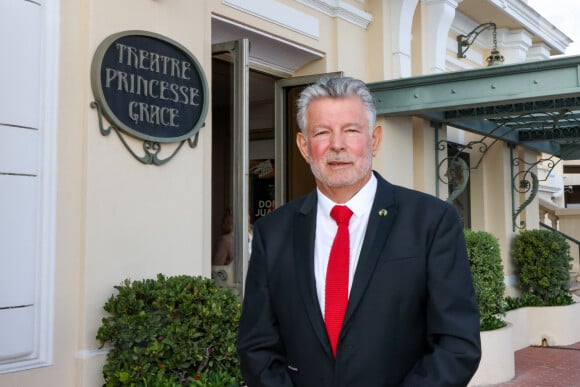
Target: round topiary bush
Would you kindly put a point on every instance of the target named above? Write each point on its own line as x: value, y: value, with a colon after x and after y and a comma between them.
x: 171, y: 331
x: 543, y: 260
x: 487, y: 272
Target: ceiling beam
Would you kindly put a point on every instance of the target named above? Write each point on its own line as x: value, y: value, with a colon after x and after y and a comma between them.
x: 494, y: 102
x: 497, y: 85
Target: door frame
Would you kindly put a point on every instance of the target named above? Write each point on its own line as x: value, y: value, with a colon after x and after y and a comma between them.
x: 239, y: 51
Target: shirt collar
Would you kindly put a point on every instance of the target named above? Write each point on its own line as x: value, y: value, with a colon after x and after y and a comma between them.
x: 360, y: 203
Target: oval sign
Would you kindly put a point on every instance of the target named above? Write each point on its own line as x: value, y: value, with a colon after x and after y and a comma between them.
x: 149, y: 86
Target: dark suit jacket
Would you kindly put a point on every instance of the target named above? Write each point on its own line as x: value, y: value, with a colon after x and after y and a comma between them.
x: 412, y: 317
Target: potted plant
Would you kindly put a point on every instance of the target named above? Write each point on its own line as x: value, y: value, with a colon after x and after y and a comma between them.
x: 487, y: 272
x: 171, y: 331
x: 497, y: 360
x: 542, y: 259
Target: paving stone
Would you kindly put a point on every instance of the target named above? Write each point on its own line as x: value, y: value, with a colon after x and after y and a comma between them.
x: 546, y: 367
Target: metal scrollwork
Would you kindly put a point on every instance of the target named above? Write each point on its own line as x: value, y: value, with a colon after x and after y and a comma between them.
x: 550, y: 165
x: 458, y: 177
x: 458, y: 171
x: 150, y: 148
x: 483, y: 148
x: 524, y: 182
x: 453, y: 170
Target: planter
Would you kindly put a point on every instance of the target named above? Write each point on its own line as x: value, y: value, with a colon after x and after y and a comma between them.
x: 519, y: 318
x: 545, y: 325
x: 554, y: 325
x: 497, y: 358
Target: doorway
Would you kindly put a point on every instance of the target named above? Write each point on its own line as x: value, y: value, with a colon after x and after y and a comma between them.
x: 253, y: 148
x: 243, y: 157
x: 261, y: 145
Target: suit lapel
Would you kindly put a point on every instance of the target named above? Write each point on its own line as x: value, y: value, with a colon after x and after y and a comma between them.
x: 304, y: 234
x: 381, y: 220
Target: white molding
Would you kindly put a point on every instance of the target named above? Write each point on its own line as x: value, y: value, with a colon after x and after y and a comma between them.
x: 523, y: 14
x: 548, y: 189
x: 268, y: 53
x: 44, y: 324
x: 49, y: 131
x: 535, y: 22
x: 540, y: 51
x: 342, y: 10
x: 278, y: 13
x: 437, y: 18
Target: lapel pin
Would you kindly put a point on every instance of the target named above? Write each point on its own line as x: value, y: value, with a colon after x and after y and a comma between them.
x: 383, y: 212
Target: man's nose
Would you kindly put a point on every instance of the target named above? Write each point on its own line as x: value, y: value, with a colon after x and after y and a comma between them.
x: 337, y: 141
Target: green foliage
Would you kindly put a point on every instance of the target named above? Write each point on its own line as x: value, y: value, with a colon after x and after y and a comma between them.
x: 543, y: 261
x: 528, y: 299
x: 216, y: 379
x: 171, y: 331
x: 487, y: 271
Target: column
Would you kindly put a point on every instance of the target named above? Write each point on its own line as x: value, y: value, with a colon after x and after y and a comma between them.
x: 436, y: 19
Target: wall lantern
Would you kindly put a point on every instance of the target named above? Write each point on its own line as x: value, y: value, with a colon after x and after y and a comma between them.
x: 465, y: 41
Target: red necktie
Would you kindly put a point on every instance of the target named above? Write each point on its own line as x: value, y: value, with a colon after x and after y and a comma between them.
x: 336, y: 293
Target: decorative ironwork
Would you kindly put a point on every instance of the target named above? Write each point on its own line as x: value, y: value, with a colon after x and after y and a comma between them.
x: 519, y: 108
x: 453, y: 170
x: 151, y: 149
x: 522, y: 187
x: 559, y: 127
x: 458, y: 177
x: 526, y: 181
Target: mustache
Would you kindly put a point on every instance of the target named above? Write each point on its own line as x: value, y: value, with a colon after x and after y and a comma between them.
x: 334, y: 157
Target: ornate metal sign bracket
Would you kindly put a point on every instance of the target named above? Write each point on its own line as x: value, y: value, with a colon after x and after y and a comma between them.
x: 453, y: 170
x: 524, y: 181
x: 151, y: 149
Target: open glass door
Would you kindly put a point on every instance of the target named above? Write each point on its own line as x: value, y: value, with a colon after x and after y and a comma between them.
x: 230, y: 90
x: 255, y: 162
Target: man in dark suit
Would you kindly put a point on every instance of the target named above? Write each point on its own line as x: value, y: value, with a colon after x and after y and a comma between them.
x: 407, y: 314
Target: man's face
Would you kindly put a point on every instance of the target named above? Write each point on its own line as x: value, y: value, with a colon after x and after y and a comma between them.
x: 338, y: 144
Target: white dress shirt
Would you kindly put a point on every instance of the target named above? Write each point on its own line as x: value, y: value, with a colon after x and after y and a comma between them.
x: 360, y: 204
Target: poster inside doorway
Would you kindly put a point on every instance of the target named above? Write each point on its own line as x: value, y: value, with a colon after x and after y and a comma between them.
x: 262, y: 190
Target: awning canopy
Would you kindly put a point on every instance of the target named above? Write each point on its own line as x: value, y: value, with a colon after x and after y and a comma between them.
x: 533, y: 104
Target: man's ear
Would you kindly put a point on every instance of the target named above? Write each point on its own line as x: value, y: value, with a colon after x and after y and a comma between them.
x: 302, y: 143
x: 377, y: 138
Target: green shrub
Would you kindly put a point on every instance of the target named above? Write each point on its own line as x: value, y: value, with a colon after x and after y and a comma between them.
x: 528, y: 299
x: 487, y: 271
x: 542, y: 258
x: 171, y: 331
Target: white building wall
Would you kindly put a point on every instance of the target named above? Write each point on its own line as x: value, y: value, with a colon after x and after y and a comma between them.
x: 28, y: 33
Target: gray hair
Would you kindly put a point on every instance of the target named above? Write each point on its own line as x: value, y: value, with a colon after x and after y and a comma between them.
x: 337, y: 87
